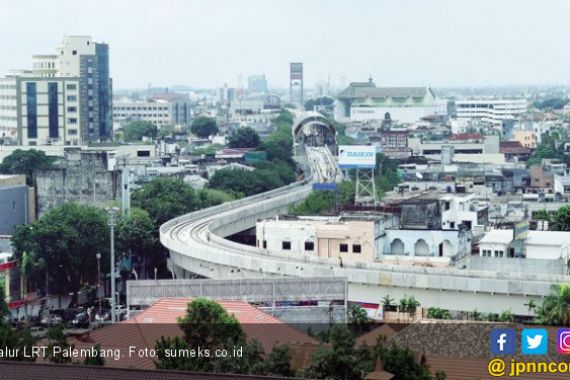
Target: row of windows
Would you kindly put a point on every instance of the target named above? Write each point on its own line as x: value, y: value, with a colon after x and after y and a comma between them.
x: 489, y: 253
x: 310, y: 246
x: 139, y: 115
x: 141, y: 108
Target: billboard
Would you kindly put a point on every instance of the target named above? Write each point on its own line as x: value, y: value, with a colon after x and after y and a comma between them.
x: 356, y: 157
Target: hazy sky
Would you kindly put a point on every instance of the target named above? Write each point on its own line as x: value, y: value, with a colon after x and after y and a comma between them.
x: 203, y: 43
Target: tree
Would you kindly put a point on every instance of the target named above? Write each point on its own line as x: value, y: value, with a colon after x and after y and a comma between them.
x: 542, y: 215
x: 4, y: 311
x: 409, y: 305
x: 204, y: 126
x: 96, y: 360
x: 135, y: 236
x: 476, y: 316
x: 358, y: 318
x: 136, y: 130
x: 213, y: 197
x: 279, y: 362
x: 244, y: 138
x: 402, y: 363
x: 387, y: 302
x: 56, y: 338
x: 340, y: 361
x: 26, y: 162
x: 531, y: 305
x: 561, y: 219
x: 62, y: 246
x: 165, y: 199
x: 207, y: 325
x: 555, y: 309
x: 437, y: 313
x: 323, y: 101
x: 245, y: 182
x: 18, y: 340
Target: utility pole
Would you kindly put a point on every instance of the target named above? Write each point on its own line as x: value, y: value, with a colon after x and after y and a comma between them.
x: 112, y: 211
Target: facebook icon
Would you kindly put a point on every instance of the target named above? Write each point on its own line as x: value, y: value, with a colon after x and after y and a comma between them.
x: 503, y: 342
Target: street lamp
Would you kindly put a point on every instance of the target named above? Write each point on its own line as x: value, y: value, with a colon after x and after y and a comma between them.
x: 112, y: 211
x: 98, y: 256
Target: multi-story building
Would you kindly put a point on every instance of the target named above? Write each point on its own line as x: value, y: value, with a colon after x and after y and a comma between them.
x: 492, y: 112
x: 394, y: 143
x: 163, y: 109
x: 64, y: 100
x: 363, y: 101
x: 257, y: 84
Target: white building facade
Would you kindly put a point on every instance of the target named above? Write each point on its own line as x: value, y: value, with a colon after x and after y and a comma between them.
x: 491, y: 112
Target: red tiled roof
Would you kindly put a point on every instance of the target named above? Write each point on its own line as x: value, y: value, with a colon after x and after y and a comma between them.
x: 143, y: 330
x: 23, y: 370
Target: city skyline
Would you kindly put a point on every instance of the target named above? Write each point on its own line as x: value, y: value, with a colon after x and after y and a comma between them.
x: 205, y: 44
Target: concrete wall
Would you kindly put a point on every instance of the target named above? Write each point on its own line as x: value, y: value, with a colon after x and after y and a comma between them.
x: 518, y: 265
x: 14, y: 208
x: 83, y: 177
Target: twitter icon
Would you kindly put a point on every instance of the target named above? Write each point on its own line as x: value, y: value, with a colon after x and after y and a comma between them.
x: 534, y: 341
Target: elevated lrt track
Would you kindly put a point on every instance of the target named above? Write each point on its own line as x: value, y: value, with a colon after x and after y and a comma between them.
x: 197, y: 245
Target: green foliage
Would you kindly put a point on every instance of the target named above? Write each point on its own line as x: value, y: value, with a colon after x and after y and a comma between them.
x: 437, y: 313
x: 213, y: 197
x: 4, y: 311
x: 64, y: 243
x: 14, y: 339
x: 136, y: 130
x: 319, y: 202
x: 207, y: 325
x: 408, y: 304
x: 56, y: 338
x: 279, y: 145
x: 204, y: 127
x: 386, y: 174
x: 358, y: 317
x: 476, y: 316
x: 340, y: 361
x: 209, y: 150
x: 561, y: 219
x: 555, y: 309
x: 279, y: 362
x: 550, y: 104
x: 267, y: 176
x: 25, y: 162
x: 165, y: 199
x: 244, y: 138
x: 542, y: 151
x: 320, y: 101
x: 542, y: 215
x: 402, y: 363
x: 96, y: 360
x: 165, y: 131
x: 387, y: 301
x: 134, y: 235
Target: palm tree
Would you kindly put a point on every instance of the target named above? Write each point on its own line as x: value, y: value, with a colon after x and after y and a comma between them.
x: 476, y: 316
x: 507, y: 316
x: 387, y: 301
x: 531, y: 305
x: 555, y: 309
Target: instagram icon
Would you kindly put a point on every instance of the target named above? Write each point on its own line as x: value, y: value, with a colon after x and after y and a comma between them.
x: 564, y: 341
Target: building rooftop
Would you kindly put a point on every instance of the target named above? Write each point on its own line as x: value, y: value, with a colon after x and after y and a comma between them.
x: 362, y: 90
x: 498, y: 237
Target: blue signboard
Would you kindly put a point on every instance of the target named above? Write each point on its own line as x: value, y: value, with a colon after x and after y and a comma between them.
x: 324, y: 186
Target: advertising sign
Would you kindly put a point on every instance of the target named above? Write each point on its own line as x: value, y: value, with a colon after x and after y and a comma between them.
x: 356, y: 157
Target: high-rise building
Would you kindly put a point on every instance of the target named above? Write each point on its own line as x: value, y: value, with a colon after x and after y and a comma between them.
x: 296, y: 83
x: 257, y: 84
x: 66, y: 99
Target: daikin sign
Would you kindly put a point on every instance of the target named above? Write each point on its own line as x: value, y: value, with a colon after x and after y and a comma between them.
x: 356, y: 157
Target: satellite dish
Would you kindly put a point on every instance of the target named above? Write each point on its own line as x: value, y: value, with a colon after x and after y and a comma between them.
x: 419, y: 175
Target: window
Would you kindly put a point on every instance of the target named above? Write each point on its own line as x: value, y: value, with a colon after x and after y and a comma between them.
x: 356, y: 248
x: 72, y: 120
x: 71, y: 86
x: 447, y: 205
x: 72, y: 132
x: 265, y: 244
x: 53, y: 114
x: 74, y: 52
x: 452, y: 224
x: 71, y: 109
x: 71, y: 98
x: 286, y: 245
x: 31, y: 105
x: 309, y: 246
x: 343, y: 247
